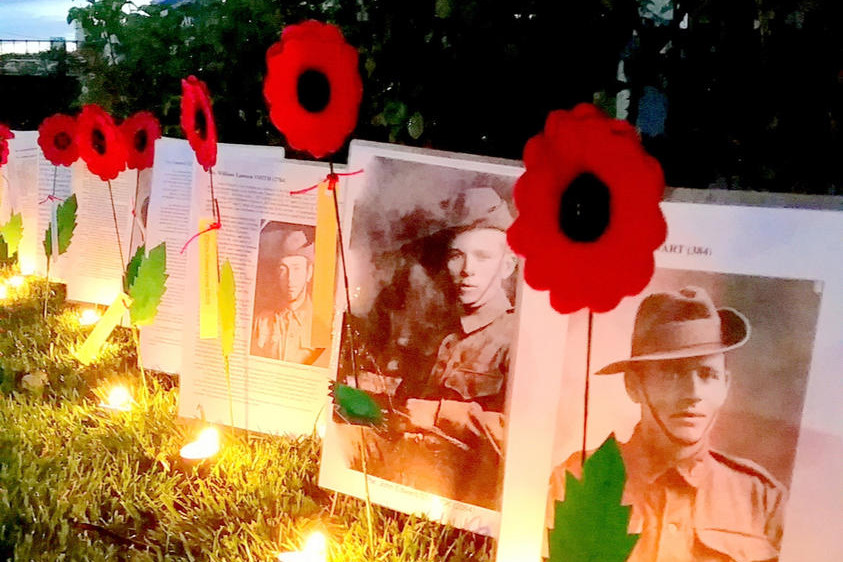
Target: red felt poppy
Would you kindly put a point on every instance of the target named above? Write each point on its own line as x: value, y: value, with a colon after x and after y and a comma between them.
x: 197, y: 121
x: 5, y: 135
x: 57, y: 139
x: 100, y: 143
x: 312, y: 87
x: 589, y: 217
x: 140, y: 132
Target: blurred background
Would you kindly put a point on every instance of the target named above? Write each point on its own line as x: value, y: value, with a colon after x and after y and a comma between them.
x: 731, y: 94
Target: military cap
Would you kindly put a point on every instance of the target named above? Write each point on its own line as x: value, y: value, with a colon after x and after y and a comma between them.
x: 674, y: 325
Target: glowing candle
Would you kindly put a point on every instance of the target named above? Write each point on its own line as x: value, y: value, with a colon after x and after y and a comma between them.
x: 119, y: 398
x: 16, y: 281
x: 315, y: 550
x: 206, y: 445
x: 88, y: 317
x: 437, y: 509
x: 4, y: 291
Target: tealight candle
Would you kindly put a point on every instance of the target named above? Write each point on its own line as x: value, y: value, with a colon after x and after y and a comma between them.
x: 206, y: 445
x: 315, y: 550
x: 88, y: 317
x: 119, y: 398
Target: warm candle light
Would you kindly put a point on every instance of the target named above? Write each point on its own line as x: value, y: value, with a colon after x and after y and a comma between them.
x: 16, y: 281
x: 4, y: 291
x: 206, y: 445
x: 437, y: 509
x: 315, y: 550
x: 88, y: 317
x: 119, y: 398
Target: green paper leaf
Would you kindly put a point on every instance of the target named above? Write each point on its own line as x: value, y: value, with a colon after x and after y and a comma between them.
x: 591, y: 524
x: 134, y: 265
x: 12, y: 233
x: 355, y: 405
x: 66, y: 219
x: 149, y: 286
x: 227, y: 308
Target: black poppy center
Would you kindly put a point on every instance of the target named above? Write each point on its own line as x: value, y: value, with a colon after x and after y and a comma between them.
x: 98, y: 141
x: 141, y: 140
x: 200, y: 124
x: 584, y: 210
x: 62, y: 140
x: 314, y: 90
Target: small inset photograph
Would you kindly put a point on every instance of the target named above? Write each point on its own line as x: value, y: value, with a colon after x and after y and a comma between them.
x: 283, y: 307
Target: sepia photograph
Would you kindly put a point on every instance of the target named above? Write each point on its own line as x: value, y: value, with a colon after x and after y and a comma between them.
x: 283, y: 307
x: 702, y: 379
x: 432, y: 325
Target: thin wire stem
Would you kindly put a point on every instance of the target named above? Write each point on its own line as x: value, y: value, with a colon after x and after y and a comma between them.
x: 369, y: 517
x: 587, y: 379
x: 134, y: 211
x: 347, y: 324
x: 117, y: 231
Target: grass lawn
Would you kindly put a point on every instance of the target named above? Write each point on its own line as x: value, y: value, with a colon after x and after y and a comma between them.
x: 79, y: 482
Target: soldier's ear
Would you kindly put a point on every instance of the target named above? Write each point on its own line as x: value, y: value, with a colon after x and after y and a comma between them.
x: 309, y: 271
x: 510, y: 260
x: 632, y: 381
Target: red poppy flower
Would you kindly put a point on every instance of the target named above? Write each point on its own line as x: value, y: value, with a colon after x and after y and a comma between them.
x: 312, y: 87
x: 197, y: 121
x: 57, y: 139
x: 139, y: 132
x: 5, y: 135
x: 100, y: 143
x: 589, y: 217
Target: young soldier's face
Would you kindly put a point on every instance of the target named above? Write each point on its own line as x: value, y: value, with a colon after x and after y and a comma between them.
x: 294, y: 272
x: 681, y: 396
x: 478, y: 260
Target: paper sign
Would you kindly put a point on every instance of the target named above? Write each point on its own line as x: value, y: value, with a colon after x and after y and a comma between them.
x: 90, y: 348
x: 324, y: 269
x: 209, y: 282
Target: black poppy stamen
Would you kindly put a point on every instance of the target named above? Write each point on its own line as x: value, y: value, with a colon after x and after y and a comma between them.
x: 313, y: 90
x: 62, y: 140
x: 98, y: 141
x: 141, y: 140
x: 201, y: 124
x: 585, y: 209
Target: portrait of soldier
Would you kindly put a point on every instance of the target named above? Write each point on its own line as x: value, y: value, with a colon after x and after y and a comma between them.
x: 690, y: 502
x: 284, y: 311
x: 464, y: 394
x: 446, y: 428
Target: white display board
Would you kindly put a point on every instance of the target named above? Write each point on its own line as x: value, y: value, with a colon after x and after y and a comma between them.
x: 781, y: 268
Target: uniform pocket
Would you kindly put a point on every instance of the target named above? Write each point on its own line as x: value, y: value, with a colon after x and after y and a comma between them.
x: 474, y: 384
x: 738, y: 546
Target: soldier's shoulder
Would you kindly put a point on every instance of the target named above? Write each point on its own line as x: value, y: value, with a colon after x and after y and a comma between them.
x: 747, y: 468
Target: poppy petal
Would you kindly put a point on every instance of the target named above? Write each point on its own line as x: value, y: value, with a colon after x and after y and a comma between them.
x: 588, y: 211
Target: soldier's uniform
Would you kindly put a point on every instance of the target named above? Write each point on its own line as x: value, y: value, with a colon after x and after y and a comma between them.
x: 285, y: 335
x: 472, y: 365
x: 709, y: 508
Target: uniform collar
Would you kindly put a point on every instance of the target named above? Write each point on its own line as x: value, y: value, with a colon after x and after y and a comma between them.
x: 301, y: 313
x: 486, y: 314
x: 644, y: 465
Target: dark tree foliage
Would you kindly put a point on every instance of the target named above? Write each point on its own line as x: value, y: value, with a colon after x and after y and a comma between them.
x: 744, y: 94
